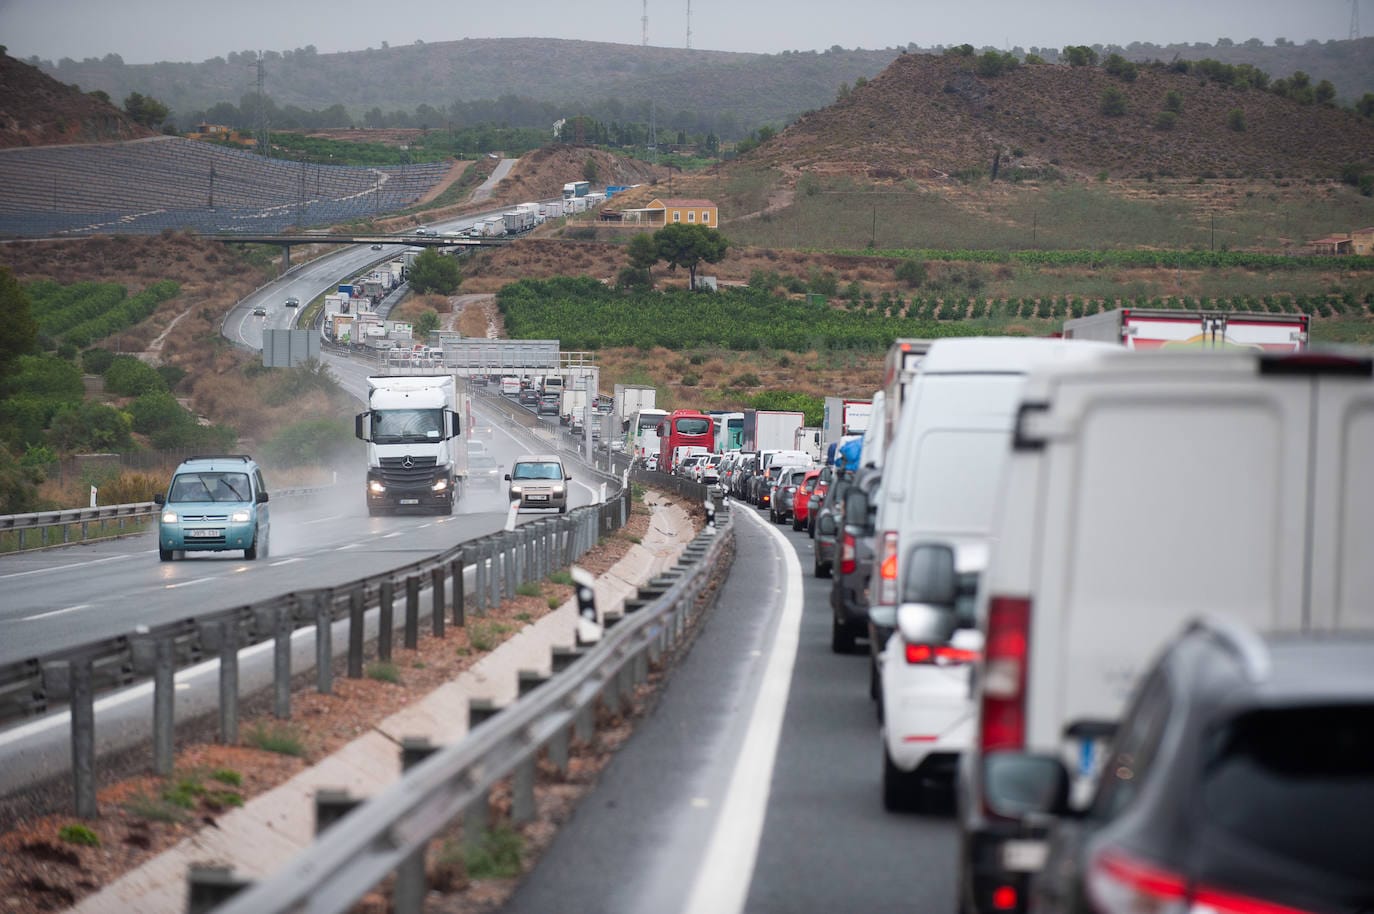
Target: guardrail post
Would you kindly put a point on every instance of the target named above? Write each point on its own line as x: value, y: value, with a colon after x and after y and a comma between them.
x: 210, y: 886
x: 459, y: 591
x: 164, y: 692
x: 412, y: 636
x: 522, y: 792
x: 331, y: 806
x: 281, y: 662
x: 324, y: 646
x: 355, y: 633
x: 569, y: 533
x: 78, y: 686
x: 229, y: 683
x: 386, y: 620
x: 493, y: 571
x: 558, y: 750
x: 436, y: 591
x: 409, y: 894
x: 508, y: 565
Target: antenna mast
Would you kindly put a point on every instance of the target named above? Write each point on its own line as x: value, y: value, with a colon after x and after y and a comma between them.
x: 264, y: 146
x: 1354, y: 20
x: 689, y: 25
x: 644, y: 22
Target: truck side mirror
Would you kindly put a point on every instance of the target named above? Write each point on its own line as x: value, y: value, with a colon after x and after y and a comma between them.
x: 159, y: 499
x: 457, y: 423
x: 360, y: 429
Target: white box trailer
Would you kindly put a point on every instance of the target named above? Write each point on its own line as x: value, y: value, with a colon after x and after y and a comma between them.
x: 1159, y: 328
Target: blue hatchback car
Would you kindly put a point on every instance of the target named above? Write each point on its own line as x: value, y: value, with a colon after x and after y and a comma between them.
x: 213, y: 504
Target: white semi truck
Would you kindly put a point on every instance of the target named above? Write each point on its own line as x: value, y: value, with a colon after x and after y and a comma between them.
x: 417, y: 455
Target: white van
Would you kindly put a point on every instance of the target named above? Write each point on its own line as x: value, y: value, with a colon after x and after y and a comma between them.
x: 1144, y: 490
x: 940, y: 477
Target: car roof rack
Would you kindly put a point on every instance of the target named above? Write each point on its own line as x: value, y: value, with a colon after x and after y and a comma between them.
x: 244, y: 457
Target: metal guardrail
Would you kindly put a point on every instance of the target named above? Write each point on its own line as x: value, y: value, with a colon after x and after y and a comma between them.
x: 501, y: 562
x: 390, y: 832
x: 81, y: 519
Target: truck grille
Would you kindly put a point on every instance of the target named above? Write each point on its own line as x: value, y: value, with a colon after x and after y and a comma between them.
x: 396, y: 473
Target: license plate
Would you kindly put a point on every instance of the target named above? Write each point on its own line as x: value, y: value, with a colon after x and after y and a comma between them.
x: 410, y: 501
x: 204, y: 534
x: 539, y: 498
x: 1024, y: 856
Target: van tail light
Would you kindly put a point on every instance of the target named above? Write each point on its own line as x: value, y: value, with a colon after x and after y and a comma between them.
x: 940, y: 654
x: 1119, y: 882
x: 1003, y: 721
x: 847, y: 554
x: 887, y: 568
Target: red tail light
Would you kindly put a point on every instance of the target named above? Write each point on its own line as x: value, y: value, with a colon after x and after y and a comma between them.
x: 940, y: 655
x: 1119, y: 882
x: 847, y: 553
x: 887, y: 568
x: 1004, y: 674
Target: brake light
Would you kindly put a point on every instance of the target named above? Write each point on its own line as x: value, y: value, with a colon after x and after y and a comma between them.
x: 940, y: 655
x: 1003, y: 721
x: 847, y: 553
x: 887, y: 568
x: 1118, y: 884
x: 1004, y: 898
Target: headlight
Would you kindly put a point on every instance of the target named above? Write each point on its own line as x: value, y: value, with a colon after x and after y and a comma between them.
x: 439, y: 485
x: 516, y: 490
x: 375, y: 485
x: 558, y: 490
x: 169, y: 517
x: 242, y: 516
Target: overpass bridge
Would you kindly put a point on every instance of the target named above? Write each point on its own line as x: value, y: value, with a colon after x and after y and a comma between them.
x: 286, y: 240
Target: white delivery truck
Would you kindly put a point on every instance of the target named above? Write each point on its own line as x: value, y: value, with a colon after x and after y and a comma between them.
x: 771, y: 429
x: 631, y: 398
x: 574, y: 403
x: 416, y: 453
x: 1143, y: 328
x: 900, y: 368
x: 843, y: 417
x: 1143, y: 490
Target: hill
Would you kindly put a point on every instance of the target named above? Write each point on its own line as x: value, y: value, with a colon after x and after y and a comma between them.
x: 696, y: 90
x: 37, y: 110
x: 930, y: 118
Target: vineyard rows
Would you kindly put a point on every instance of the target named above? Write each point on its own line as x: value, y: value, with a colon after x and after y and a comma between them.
x: 86, y: 312
x: 586, y: 314
x: 1192, y: 260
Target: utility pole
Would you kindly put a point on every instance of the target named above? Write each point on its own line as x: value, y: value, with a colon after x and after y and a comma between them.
x: 644, y: 23
x: 264, y: 145
x: 689, y: 25
x: 211, y: 202
x: 1354, y: 20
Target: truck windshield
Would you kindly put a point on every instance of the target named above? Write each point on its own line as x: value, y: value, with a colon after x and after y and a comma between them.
x: 397, y: 426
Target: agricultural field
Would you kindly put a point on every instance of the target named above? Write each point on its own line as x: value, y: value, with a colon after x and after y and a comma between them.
x: 86, y: 312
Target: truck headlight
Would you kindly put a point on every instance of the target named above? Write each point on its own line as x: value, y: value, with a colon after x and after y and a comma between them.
x: 241, y: 516
x: 439, y: 485
x: 375, y: 486
x: 169, y: 517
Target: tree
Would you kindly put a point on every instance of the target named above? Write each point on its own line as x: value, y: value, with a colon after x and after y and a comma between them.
x: 1080, y: 55
x: 426, y: 323
x: 145, y: 110
x: 687, y: 245
x: 642, y: 253
x: 1325, y: 92
x: 21, y: 330
x: 1235, y: 119
x: 91, y: 427
x: 590, y: 171
x: 433, y: 272
x: 1113, y: 102
x: 1366, y: 104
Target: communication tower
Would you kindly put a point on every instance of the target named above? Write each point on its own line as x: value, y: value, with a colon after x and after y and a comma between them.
x: 644, y: 23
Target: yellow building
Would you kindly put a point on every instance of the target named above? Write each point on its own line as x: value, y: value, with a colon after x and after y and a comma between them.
x: 692, y: 212
x: 1362, y: 242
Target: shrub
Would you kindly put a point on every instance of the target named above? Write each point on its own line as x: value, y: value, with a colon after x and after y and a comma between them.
x: 130, y: 377
x: 227, y: 776
x: 1173, y: 101
x: 96, y: 361
x: 384, y: 672
x: 1121, y: 68
x: 310, y: 441
x: 78, y: 834
x: 1165, y: 120
x: 528, y: 590
x: 1113, y: 103
x: 1235, y: 119
x: 911, y: 272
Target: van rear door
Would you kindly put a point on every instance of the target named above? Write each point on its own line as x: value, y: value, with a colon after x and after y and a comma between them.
x: 1208, y: 447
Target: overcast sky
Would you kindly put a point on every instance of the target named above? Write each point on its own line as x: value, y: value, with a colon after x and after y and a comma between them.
x: 146, y: 31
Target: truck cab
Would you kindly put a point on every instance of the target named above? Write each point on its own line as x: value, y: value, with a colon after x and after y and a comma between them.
x: 416, y: 456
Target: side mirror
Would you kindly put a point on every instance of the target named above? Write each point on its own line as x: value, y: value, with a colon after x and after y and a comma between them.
x: 159, y: 499
x: 825, y: 525
x: 262, y: 498
x: 507, y: 477
x: 930, y: 577
x: 856, y: 505
x: 457, y: 423
x: 567, y: 478
x: 922, y: 623
x: 358, y: 430
x: 1018, y: 784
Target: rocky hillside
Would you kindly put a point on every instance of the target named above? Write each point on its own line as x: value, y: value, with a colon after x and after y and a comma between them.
x: 931, y: 117
x: 37, y: 110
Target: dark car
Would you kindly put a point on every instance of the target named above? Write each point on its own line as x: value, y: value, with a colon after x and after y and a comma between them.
x: 483, y: 471
x: 783, y: 493
x: 529, y: 397
x: 849, y: 603
x: 1240, y: 779
x: 259, y: 311
x: 549, y: 404
x: 293, y: 302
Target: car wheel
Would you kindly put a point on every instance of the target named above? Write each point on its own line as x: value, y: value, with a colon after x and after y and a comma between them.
x: 562, y: 509
x: 841, y: 641
x: 796, y: 524
x: 165, y: 555
x: 875, y: 688
x: 251, y: 553
x: 901, y: 789
x: 823, y: 569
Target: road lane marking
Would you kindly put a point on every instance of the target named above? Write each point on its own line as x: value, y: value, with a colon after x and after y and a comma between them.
x: 348, y: 546
x: 190, y: 583
x: 56, y: 612
x: 20, y: 574
x: 323, y: 520
x: 285, y: 562
x: 722, y: 881
x: 388, y: 536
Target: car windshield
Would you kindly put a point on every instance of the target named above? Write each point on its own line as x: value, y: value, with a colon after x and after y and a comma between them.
x: 1297, y: 783
x: 210, y: 487
x: 537, y: 471
x: 394, y: 426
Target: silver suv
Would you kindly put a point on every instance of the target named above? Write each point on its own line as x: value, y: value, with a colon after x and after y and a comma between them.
x: 539, y: 481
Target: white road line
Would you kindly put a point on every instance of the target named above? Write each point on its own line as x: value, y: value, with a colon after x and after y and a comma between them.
x: 323, y: 520
x: 20, y: 574
x: 388, y: 536
x: 722, y: 883
x: 190, y: 583
x: 285, y: 562
x: 347, y: 546
x: 56, y: 612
